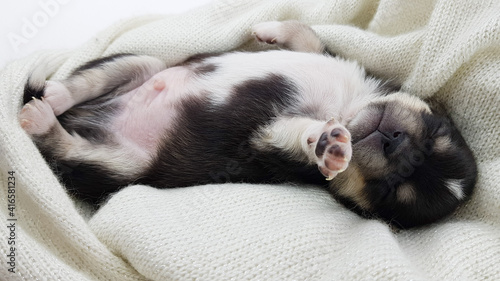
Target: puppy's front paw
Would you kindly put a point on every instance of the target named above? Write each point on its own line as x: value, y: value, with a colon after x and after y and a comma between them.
x: 332, y: 149
x: 269, y: 32
x: 37, y: 117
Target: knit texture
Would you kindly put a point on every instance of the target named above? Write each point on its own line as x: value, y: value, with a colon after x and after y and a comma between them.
x: 446, y: 49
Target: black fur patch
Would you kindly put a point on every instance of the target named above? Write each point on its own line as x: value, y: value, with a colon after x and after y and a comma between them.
x: 99, y: 62
x: 86, y: 180
x: 91, y: 120
x: 205, y: 69
x: 31, y: 91
x: 387, y: 86
x: 91, y: 182
x: 327, y: 52
x: 199, y: 58
x: 212, y: 143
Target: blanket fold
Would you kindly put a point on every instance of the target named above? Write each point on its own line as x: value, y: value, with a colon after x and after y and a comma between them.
x: 440, y: 49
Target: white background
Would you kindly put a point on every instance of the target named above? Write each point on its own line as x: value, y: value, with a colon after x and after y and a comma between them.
x: 27, y: 26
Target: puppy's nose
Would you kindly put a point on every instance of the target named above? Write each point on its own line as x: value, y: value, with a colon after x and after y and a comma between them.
x: 391, y: 141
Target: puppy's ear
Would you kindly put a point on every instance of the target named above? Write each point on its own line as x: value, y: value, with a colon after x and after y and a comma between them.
x: 390, y: 86
x: 437, y: 107
x: 387, y: 86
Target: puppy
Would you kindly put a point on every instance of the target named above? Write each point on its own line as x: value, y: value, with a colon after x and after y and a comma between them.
x: 300, y: 115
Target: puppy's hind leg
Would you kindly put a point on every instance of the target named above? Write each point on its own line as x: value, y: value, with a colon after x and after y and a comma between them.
x: 93, y: 169
x: 292, y: 35
x: 113, y: 75
x: 326, y: 144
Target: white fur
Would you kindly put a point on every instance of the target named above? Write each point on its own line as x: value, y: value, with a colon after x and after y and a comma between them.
x: 58, y: 96
x: 290, y: 135
x: 127, y: 161
x: 442, y: 144
x: 337, y: 87
x: 456, y: 187
x: 406, y: 194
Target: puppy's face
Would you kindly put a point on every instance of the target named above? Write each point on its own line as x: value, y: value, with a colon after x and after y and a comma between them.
x: 410, y: 165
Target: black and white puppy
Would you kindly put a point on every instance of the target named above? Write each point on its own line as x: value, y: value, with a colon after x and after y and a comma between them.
x: 273, y: 116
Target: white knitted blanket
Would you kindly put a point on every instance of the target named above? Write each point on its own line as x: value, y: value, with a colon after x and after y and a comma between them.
x: 446, y: 48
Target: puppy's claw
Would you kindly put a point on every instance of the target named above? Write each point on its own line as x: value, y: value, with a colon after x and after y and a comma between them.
x: 334, y: 174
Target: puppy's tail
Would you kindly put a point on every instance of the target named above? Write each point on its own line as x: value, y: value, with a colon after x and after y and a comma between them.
x: 35, y: 85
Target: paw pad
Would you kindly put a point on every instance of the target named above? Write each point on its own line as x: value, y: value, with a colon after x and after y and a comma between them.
x: 332, y: 148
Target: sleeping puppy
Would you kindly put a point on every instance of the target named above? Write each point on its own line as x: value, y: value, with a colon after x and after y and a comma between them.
x: 274, y: 116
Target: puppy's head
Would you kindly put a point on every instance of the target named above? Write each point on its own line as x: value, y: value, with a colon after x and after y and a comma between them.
x: 410, y: 165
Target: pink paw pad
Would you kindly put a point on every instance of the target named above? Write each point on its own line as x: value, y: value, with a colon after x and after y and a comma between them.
x: 332, y: 148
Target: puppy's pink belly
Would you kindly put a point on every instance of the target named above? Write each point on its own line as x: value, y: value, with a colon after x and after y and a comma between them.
x: 148, y: 111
